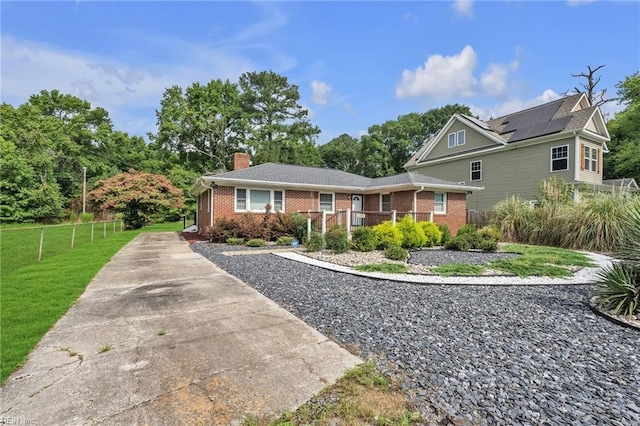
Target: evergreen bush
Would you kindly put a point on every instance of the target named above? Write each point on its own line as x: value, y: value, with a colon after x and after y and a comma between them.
x: 336, y: 240
x: 316, y: 242
x: 432, y: 233
x: 256, y: 242
x: 395, y: 252
x: 387, y: 235
x: 412, y: 234
x: 446, y: 233
x: 364, y: 239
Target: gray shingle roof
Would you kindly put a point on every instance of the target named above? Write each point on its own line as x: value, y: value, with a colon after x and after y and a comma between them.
x: 301, y: 175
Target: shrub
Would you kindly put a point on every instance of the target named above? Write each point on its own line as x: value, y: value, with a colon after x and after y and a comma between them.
x: 446, y: 233
x: 619, y: 285
x: 316, y: 242
x: 490, y: 233
x: 336, y: 240
x: 459, y: 243
x: 364, y: 239
x: 468, y: 229
x: 513, y: 218
x: 598, y: 221
x: 487, y: 244
x: 298, y: 225
x: 619, y: 289
x: 395, y: 252
x: 412, y: 234
x: 256, y: 242
x: 387, y: 235
x: 250, y: 227
x: 284, y: 240
x: 235, y: 241
x: 222, y: 229
x: 432, y: 232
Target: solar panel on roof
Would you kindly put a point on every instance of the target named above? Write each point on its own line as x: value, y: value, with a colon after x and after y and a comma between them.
x: 543, y: 113
x: 540, y: 129
x: 557, y: 125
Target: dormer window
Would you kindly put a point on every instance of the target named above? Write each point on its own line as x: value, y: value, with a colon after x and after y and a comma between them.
x: 456, y: 139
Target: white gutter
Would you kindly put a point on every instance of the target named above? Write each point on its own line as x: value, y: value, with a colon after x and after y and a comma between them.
x: 415, y: 198
x: 333, y: 188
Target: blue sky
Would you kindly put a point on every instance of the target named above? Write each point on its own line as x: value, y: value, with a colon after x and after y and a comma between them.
x: 356, y: 63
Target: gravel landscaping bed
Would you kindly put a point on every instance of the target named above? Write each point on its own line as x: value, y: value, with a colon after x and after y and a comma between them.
x: 437, y: 257
x: 468, y: 354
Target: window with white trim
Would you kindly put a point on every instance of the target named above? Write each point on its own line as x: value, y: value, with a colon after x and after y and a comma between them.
x: 452, y: 140
x: 476, y: 170
x: 590, y: 159
x: 440, y: 202
x: 456, y: 139
x: 278, y: 201
x: 255, y: 200
x: 385, y: 202
x: 560, y: 158
x: 461, y: 137
x: 326, y: 202
x: 241, y: 199
x: 258, y: 198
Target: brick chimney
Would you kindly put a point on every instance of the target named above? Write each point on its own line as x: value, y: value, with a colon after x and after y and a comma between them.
x: 241, y: 160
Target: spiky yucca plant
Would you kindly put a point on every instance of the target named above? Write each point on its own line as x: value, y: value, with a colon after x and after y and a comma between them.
x: 619, y: 285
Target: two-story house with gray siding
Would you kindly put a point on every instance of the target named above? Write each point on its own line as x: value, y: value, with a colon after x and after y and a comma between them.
x: 513, y: 154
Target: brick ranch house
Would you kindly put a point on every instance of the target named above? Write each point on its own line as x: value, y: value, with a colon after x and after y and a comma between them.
x: 340, y: 197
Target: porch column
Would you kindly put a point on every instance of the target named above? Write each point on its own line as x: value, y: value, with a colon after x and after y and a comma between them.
x: 349, y: 222
x: 324, y: 222
x: 308, y: 228
x: 393, y: 217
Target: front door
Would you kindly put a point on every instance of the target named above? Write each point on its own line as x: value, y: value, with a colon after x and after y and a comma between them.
x: 357, y: 205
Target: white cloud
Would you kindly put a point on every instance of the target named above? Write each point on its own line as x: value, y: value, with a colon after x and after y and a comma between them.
x: 453, y: 76
x: 321, y: 92
x: 463, y: 8
x: 361, y: 133
x: 348, y: 108
x: 512, y: 105
x: 574, y: 3
x: 441, y: 76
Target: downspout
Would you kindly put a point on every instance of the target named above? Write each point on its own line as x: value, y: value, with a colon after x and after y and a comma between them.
x: 576, y: 166
x: 415, y: 200
x: 211, y: 206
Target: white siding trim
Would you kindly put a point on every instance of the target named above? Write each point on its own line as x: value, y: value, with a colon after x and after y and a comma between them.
x: 576, y: 158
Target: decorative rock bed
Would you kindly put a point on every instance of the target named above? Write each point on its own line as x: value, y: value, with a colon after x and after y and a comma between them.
x: 467, y: 354
x: 419, y: 261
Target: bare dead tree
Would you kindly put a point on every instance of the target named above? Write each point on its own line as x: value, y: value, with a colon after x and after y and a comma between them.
x: 595, y: 97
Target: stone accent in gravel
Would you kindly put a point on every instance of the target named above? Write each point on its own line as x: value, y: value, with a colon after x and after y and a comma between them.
x: 469, y: 354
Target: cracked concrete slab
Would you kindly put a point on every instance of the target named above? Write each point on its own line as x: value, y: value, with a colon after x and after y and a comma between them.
x: 163, y: 336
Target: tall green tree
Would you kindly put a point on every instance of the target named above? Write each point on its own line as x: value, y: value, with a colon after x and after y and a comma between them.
x: 623, y: 160
x: 341, y: 153
x: 279, y: 130
x: 388, y: 146
x: 204, y: 125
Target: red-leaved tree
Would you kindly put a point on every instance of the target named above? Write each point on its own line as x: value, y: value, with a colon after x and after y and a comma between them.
x: 141, y: 197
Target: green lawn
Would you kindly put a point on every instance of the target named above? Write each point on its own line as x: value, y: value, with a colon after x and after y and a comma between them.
x: 34, y: 295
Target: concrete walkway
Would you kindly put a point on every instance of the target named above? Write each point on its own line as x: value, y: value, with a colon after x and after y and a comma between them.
x: 163, y: 336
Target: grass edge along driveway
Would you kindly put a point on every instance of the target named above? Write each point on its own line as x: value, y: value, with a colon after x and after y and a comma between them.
x: 34, y: 297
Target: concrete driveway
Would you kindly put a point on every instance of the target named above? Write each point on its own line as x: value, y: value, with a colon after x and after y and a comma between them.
x: 163, y: 336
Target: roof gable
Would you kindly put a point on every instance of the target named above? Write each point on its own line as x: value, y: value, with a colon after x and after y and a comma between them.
x: 569, y: 114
